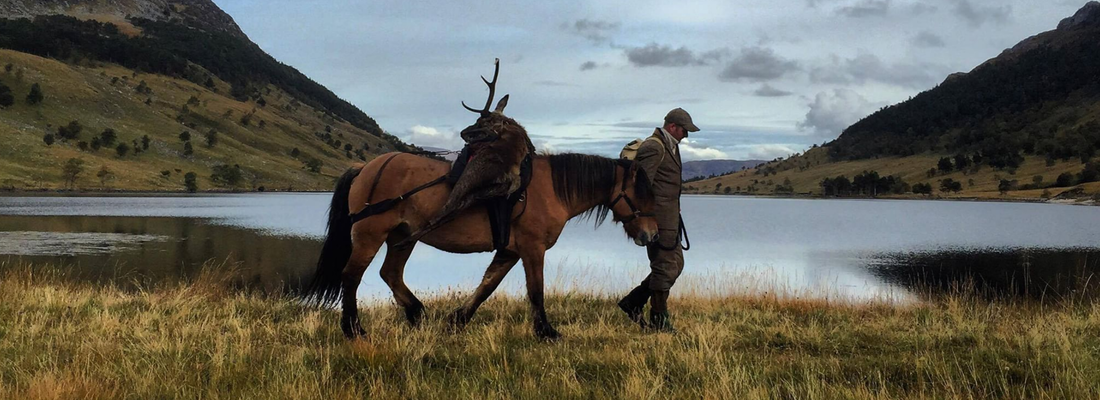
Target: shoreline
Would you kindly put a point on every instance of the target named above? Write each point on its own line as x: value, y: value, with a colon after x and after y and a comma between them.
x: 1031, y: 200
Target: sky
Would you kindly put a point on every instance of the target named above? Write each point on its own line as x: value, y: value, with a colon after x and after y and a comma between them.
x: 761, y: 78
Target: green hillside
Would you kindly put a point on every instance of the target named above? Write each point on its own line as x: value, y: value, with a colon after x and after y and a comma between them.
x: 102, y: 96
x: 251, y: 123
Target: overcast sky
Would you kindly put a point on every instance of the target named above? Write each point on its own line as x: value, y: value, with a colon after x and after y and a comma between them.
x: 762, y: 78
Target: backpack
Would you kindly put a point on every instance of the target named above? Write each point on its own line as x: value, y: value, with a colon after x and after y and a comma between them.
x: 630, y: 151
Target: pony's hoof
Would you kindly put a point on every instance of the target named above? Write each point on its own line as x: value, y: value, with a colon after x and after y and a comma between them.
x: 414, y: 315
x: 458, y: 319
x: 547, y: 333
x: 352, y: 329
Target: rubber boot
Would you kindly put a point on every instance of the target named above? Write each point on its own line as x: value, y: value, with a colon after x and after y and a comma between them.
x: 634, y: 302
x: 659, y: 318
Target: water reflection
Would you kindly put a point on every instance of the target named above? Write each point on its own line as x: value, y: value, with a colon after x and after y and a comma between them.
x: 150, y: 249
x: 1031, y: 273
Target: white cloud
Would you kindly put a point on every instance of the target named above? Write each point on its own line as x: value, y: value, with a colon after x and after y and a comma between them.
x: 426, y: 136
x: 692, y: 150
x: 769, y: 151
x: 832, y: 112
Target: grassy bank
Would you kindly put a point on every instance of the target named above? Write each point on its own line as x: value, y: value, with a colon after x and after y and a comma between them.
x: 60, y: 339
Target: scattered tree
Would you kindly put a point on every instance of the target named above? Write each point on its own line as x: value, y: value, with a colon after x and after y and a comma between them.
x: 7, y: 99
x: 295, y: 152
x: 1064, y: 180
x: 185, y: 136
x: 82, y: 145
x: 71, y: 170
x: 945, y: 165
x: 922, y: 188
x: 48, y: 139
x: 35, y: 96
x: 313, y: 165
x: 189, y: 182
x: 166, y: 174
x: 104, y: 175
x: 211, y: 138
x: 950, y: 185
x: 8, y: 67
x: 96, y: 143
x: 70, y: 131
x: 108, y: 137
x: 226, y: 175
x: 187, y: 149
x: 145, y: 142
x: 122, y: 149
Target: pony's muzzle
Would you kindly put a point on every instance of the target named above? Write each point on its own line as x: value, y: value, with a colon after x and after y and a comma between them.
x: 645, y: 238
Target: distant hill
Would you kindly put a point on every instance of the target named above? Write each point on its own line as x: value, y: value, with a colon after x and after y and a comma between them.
x: 704, y: 168
x: 153, y: 71
x: 1025, y: 124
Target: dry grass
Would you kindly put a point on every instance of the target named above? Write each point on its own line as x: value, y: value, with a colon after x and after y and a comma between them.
x: 61, y: 340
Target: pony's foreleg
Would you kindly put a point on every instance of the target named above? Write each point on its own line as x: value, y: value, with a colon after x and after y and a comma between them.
x: 532, y: 266
x: 363, y: 251
x: 503, y: 262
x: 393, y: 273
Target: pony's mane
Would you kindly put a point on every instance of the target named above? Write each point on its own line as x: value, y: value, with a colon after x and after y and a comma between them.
x: 586, y: 178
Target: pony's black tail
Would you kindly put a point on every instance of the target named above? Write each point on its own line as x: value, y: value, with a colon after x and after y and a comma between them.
x: 325, y: 287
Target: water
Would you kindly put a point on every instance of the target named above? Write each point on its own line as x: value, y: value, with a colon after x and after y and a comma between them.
x: 824, y: 248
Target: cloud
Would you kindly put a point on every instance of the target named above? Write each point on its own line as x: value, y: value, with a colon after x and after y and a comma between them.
x: 595, y: 31
x: 769, y: 151
x: 589, y: 65
x: 866, y: 8
x: 868, y: 67
x: 654, y: 54
x: 921, y: 8
x: 832, y: 112
x: 693, y: 150
x: 927, y: 39
x: 555, y: 83
x: 767, y: 90
x: 426, y: 136
x: 978, y: 16
x: 757, y: 64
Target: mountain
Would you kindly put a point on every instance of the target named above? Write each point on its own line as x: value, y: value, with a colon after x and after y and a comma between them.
x: 1039, y: 97
x: 704, y: 168
x: 1024, y: 124
x: 153, y: 72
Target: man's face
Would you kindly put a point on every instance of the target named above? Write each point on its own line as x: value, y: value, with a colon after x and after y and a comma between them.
x: 676, y: 131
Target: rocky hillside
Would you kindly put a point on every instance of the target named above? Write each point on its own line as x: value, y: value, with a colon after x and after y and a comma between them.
x: 141, y: 92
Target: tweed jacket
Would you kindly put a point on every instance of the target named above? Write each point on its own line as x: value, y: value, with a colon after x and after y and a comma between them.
x: 662, y: 165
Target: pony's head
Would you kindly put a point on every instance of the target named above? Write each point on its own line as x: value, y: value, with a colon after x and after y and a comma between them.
x: 634, y: 204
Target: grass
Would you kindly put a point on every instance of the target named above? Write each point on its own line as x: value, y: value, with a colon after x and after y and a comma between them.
x: 102, y: 95
x: 65, y: 339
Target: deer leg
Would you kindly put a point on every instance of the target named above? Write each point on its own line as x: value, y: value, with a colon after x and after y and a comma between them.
x: 393, y: 273
x: 503, y: 262
x: 533, y: 267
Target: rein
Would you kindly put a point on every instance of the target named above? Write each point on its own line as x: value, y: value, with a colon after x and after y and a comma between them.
x: 634, y: 213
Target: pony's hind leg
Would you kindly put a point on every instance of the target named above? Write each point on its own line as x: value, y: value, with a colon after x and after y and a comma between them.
x: 393, y: 273
x: 364, y: 248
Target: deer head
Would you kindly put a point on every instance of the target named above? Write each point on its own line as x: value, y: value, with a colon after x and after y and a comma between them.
x: 489, y: 122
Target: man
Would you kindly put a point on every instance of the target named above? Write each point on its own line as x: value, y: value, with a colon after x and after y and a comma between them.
x: 659, y: 156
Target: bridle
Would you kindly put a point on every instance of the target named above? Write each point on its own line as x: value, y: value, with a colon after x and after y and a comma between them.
x: 634, y: 213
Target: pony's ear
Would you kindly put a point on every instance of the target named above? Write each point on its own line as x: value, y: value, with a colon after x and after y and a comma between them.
x: 503, y: 103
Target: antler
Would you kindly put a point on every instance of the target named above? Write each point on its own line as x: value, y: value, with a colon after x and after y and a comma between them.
x: 492, y: 90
